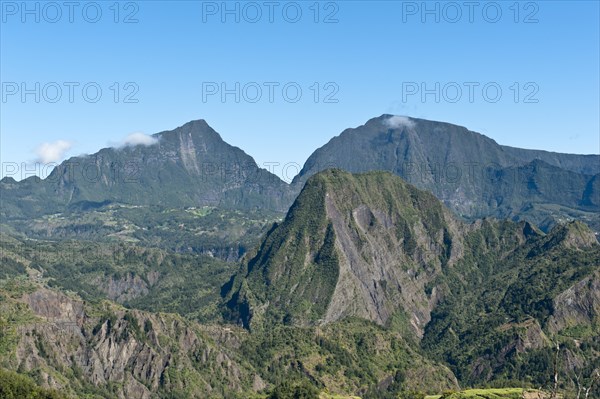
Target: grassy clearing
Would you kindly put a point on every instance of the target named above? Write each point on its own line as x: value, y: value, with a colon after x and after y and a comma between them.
x: 498, y: 393
x: 329, y: 396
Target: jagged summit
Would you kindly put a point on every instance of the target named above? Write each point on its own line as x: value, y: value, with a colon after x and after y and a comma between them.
x: 198, y: 127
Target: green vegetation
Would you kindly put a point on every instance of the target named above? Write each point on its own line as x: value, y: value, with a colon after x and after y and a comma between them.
x: 495, y: 292
x: 295, y: 390
x: 349, y: 356
x: 501, y: 304
x: 143, y: 278
x: 18, y: 386
x: 506, y: 393
x: 223, y: 233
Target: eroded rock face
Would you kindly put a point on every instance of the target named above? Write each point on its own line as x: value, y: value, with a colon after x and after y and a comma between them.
x: 367, y: 246
x: 376, y: 274
x: 127, y: 287
x: 578, y: 305
x: 56, y: 307
x: 140, y: 352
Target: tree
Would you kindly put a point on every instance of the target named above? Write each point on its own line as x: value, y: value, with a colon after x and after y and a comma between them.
x: 294, y: 390
x: 594, y: 378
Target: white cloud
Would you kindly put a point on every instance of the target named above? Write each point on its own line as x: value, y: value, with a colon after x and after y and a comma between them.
x: 52, y: 152
x: 139, y: 139
x: 396, y: 122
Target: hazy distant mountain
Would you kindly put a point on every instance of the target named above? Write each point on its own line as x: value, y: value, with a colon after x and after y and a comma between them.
x: 188, y: 166
x: 471, y: 173
x: 192, y: 166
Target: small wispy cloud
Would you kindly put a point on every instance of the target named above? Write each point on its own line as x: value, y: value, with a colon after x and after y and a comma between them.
x: 52, y: 152
x: 139, y: 139
x: 395, y: 122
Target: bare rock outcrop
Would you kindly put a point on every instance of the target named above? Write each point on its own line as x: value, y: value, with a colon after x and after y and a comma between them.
x: 578, y: 305
x: 140, y: 353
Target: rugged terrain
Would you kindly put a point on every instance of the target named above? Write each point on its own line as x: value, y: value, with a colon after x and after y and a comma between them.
x: 107, y: 351
x: 191, y: 280
x: 471, y: 173
x: 189, y: 191
x: 489, y: 297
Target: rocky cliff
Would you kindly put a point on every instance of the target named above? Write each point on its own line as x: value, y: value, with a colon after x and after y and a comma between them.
x: 488, y: 297
x: 367, y: 246
x: 122, y: 353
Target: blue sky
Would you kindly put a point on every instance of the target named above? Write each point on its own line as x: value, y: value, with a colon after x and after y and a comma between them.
x: 161, y: 64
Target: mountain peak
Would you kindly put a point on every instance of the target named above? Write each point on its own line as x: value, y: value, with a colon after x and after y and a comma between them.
x: 575, y: 234
x: 190, y: 165
x: 195, y: 125
x: 8, y: 180
x: 349, y: 247
x: 471, y: 173
x: 194, y: 128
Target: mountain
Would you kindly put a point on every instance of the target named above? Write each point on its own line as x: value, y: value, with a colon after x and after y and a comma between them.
x: 185, y: 167
x: 469, y: 172
x: 361, y: 246
x: 369, y: 285
x: 189, y: 191
x: 94, y: 347
x: 106, y: 351
x: 486, y: 297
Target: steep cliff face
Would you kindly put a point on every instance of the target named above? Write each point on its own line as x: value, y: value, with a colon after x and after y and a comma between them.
x: 127, y: 353
x: 368, y: 246
x: 387, y: 255
x: 125, y: 288
x: 579, y: 305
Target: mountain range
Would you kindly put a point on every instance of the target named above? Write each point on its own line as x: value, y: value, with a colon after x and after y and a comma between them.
x: 369, y: 286
x: 482, y: 296
x: 192, y: 166
x: 469, y: 172
x: 405, y: 259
